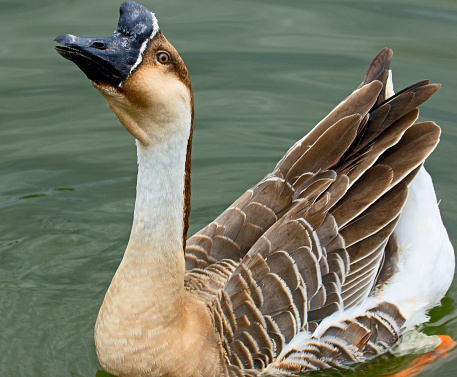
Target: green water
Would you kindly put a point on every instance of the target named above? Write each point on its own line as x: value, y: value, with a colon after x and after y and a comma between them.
x: 263, y: 73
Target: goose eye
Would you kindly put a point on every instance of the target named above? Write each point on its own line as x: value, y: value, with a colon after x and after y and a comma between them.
x: 163, y: 57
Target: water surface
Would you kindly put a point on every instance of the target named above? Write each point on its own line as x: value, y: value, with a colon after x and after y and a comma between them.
x: 263, y: 73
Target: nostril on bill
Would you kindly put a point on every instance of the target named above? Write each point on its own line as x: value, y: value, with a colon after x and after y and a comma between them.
x: 98, y: 45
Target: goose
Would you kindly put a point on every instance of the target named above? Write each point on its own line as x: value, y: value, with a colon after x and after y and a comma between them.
x: 325, y: 262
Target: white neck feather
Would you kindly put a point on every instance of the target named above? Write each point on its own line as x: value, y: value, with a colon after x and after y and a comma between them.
x: 152, y: 270
x: 158, y: 216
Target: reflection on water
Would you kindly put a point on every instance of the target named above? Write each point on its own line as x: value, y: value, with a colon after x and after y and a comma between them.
x: 263, y: 72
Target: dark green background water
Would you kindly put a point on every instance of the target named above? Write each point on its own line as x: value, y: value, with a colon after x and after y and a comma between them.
x: 263, y: 72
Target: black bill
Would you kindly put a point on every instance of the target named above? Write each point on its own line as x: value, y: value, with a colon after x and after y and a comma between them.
x: 111, y: 60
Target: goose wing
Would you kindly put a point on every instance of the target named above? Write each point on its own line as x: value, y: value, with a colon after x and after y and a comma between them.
x: 315, y: 236
x: 233, y: 233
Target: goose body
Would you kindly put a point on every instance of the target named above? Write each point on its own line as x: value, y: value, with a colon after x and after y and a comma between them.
x: 325, y: 262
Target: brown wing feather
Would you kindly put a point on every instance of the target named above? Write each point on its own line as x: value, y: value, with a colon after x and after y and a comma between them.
x: 379, y: 64
x: 310, y: 239
x: 347, y: 342
x: 379, y: 70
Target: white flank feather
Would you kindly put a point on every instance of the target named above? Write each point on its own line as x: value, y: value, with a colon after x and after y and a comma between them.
x: 427, y: 262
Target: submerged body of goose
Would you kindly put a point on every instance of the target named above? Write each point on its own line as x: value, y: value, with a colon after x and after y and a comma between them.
x: 325, y: 262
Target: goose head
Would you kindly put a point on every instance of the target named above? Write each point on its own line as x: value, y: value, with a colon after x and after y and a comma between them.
x: 139, y: 73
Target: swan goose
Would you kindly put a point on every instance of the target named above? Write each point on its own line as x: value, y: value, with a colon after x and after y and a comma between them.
x: 325, y: 262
